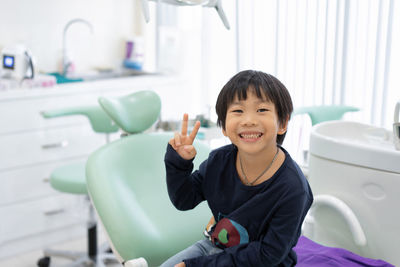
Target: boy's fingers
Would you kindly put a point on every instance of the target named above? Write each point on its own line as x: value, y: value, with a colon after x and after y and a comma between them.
x: 185, y: 124
x: 177, y: 139
x: 194, y: 131
x: 190, y: 150
x: 172, y: 143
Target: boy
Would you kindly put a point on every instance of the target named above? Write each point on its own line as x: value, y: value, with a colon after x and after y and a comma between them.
x: 256, y: 192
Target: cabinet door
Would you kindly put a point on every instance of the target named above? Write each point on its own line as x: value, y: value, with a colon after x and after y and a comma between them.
x: 23, y: 149
x: 40, y: 216
x: 28, y: 183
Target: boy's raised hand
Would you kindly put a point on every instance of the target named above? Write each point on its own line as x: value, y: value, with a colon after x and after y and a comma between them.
x: 182, y: 142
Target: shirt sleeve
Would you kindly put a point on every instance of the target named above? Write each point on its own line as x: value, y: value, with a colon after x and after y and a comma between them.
x: 184, y: 187
x: 274, y: 246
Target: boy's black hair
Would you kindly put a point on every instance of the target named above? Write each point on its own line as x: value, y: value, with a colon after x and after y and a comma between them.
x: 263, y: 84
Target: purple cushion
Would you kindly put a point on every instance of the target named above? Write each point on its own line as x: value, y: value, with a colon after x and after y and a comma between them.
x: 311, y: 254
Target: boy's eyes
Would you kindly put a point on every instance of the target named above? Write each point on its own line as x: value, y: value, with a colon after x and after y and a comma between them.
x: 241, y: 111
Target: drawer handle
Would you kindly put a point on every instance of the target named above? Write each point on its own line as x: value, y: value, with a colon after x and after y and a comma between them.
x: 54, y: 211
x: 61, y: 144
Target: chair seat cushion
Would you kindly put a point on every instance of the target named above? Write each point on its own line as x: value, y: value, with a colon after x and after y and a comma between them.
x: 70, y: 178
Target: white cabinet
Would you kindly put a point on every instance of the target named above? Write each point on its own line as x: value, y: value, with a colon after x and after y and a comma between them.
x: 23, y: 113
x: 33, y: 147
x: 38, y: 216
x: 24, y: 184
x: 33, y: 215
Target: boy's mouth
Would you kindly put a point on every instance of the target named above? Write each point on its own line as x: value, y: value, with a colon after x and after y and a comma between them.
x: 250, y: 135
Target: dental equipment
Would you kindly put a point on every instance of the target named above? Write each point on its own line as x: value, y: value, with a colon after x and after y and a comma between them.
x: 205, y: 3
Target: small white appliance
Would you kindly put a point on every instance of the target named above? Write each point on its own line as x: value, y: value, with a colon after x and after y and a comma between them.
x: 16, y: 63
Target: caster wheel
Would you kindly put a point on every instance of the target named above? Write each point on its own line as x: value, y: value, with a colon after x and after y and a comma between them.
x: 44, y: 262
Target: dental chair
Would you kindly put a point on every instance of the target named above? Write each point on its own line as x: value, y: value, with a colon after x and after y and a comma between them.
x: 71, y: 179
x: 324, y: 113
x: 126, y: 181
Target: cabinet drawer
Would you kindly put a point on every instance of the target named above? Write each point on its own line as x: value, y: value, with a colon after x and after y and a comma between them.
x: 24, y: 114
x: 22, y: 149
x: 40, y: 216
x: 28, y: 183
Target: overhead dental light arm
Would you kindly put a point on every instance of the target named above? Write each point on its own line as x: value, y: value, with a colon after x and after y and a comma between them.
x: 221, y: 13
x: 145, y: 9
x: 205, y: 3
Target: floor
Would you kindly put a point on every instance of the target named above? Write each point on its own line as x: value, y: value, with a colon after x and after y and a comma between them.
x: 30, y: 259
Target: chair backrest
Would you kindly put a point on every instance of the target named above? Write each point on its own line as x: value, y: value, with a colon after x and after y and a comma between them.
x: 127, y: 184
x: 133, y: 113
x: 98, y: 118
x: 324, y: 113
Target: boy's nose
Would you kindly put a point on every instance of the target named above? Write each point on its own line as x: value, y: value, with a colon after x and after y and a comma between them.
x: 249, y: 120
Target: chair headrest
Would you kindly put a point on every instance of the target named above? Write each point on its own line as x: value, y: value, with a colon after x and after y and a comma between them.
x: 325, y: 112
x: 133, y: 113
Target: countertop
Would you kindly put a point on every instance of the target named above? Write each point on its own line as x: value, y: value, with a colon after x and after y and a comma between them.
x: 147, y: 81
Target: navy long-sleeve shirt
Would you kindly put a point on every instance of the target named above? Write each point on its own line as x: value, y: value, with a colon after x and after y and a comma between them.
x: 269, y: 214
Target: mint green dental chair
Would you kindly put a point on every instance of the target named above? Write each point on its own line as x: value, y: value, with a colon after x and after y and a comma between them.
x: 324, y: 113
x: 126, y: 182
x: 127, y: 186
x: 71, y: 179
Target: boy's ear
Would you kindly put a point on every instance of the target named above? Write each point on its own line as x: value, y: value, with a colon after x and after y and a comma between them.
x: 224, y: 132
x: 283, y: 127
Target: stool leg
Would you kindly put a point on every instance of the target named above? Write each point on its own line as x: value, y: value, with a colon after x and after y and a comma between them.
x: 92, y: 232
x: 92, y: 242
x: 93, y: 257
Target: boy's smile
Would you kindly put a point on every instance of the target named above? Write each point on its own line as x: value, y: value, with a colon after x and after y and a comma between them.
x: 247, y: 136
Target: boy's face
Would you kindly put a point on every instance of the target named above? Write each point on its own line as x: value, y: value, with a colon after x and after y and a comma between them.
x: 252, y: 124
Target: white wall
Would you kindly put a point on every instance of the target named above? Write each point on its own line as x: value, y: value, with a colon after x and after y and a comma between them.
x: 192, y: 40
x: 39, y: 25
x: 218, y: 54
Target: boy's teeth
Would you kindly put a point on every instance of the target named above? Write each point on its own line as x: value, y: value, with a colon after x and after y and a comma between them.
x: 250, y: 135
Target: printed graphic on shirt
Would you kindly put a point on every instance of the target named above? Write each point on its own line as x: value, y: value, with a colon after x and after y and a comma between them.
x: 228, y: 233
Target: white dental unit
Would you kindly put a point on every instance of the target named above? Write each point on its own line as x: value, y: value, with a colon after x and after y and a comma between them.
x: 354, y: 172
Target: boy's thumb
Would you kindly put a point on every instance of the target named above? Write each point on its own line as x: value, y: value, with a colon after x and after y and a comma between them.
x: 190, y: 149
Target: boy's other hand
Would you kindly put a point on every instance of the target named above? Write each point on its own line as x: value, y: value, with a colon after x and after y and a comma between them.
x: 181, y: 264
x: 210, y: 224
x: 182, y: 142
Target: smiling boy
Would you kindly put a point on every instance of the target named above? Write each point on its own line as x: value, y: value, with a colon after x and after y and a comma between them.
x: 256, y: 192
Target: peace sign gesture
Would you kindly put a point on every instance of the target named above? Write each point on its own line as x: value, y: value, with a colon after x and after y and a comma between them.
x: 183, y: 143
